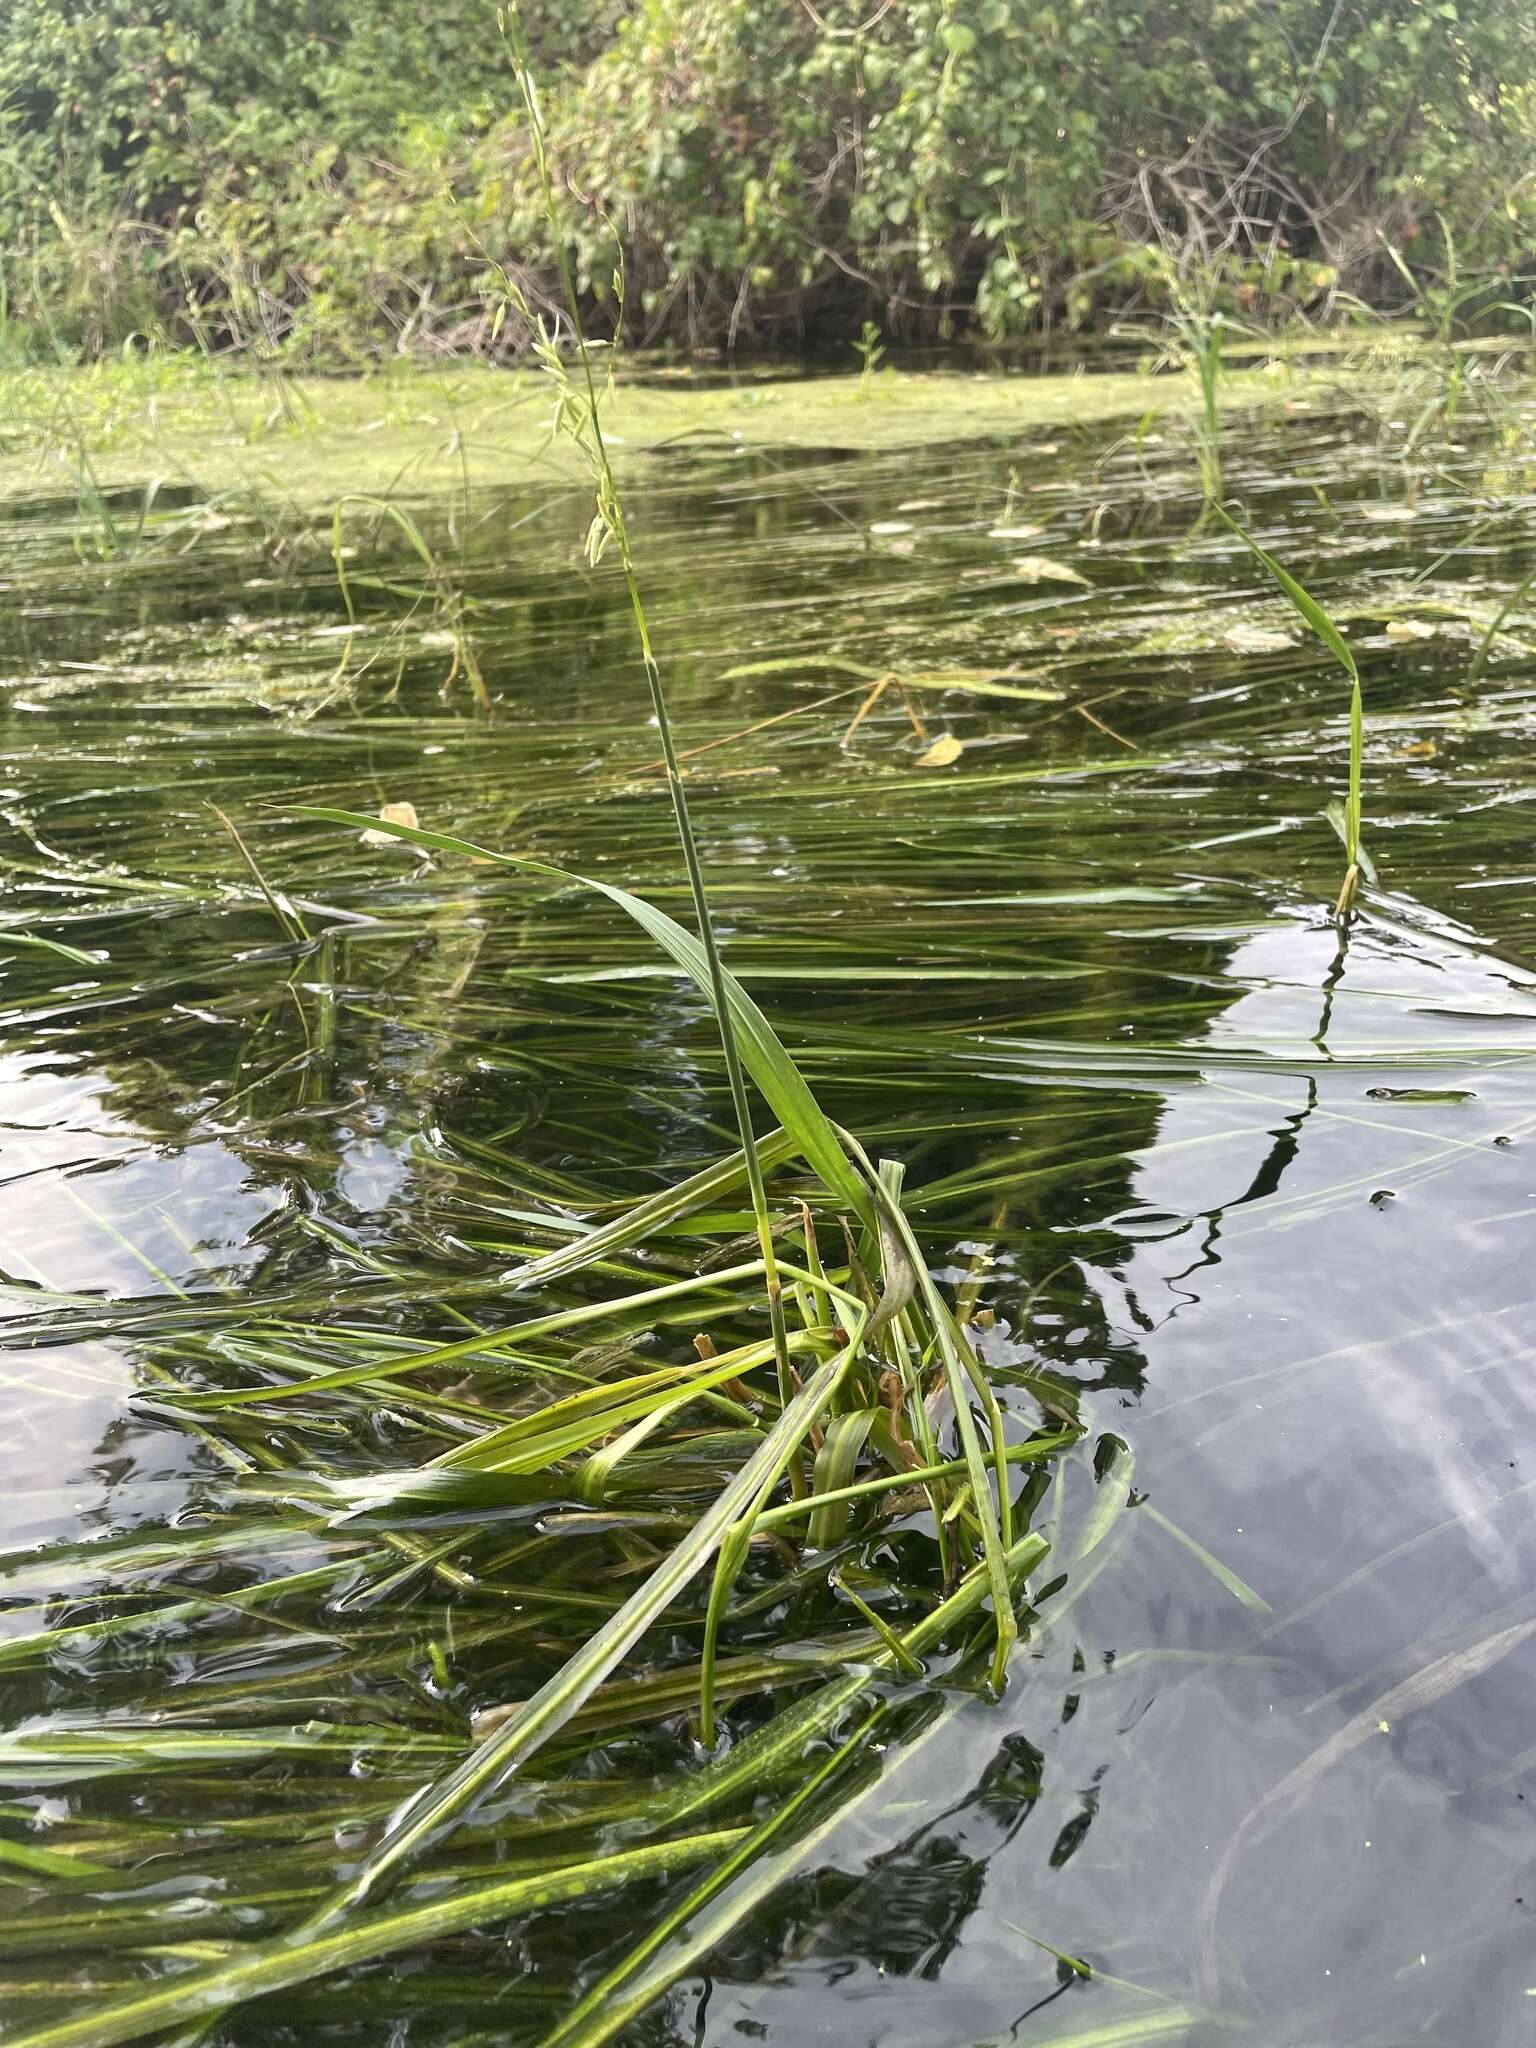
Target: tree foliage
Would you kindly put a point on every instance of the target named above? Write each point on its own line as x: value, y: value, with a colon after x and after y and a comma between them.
x: 304, y: 175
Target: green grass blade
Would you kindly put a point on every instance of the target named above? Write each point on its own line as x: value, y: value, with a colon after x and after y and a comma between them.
x: 961, y: 1370
x: 1308, y: 606
x: 1238, y: 1588
x: 1315, y: 617
x: 1176, y: 2023
x: 920, y: 1475
x: 481, y: 1344
x: 1111, y: 1500
x: 667, y: 1206
x: 1511, y: 603
x: 1352, y: 805
x: 836, y: 1462
x: 32, y: 942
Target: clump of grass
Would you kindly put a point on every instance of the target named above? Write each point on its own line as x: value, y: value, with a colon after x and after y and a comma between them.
x: 1193, y: 338
x: 871, y: 353
x: 1198, y: 336
x: 630, y: 1442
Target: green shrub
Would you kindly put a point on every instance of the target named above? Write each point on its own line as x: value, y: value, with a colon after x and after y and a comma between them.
x: 307, y: 177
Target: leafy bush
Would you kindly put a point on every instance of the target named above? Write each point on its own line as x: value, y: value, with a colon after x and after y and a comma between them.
x: 301, y: 175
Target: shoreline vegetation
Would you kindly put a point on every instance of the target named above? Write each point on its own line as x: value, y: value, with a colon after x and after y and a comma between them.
x: 304, y: 182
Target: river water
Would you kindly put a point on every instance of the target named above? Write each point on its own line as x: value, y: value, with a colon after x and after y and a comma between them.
x: 1260, y: 1195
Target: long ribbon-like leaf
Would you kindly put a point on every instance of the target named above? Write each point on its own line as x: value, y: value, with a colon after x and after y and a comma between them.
x: 276, y: 1965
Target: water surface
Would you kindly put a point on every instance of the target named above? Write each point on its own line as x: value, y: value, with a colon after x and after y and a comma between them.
x: 1260, y: 1193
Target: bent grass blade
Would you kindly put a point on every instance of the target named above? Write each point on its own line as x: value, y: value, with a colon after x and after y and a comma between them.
x: 1325, y: 629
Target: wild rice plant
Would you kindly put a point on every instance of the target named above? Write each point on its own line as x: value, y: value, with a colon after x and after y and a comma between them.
x: 871, y: 353
x: 1345, y: 817
x: 1199, y: 335
x: 1192, y: 337
x: 578, y: 417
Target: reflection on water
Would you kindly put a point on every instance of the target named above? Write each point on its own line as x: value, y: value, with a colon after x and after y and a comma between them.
x: 1263, y: 1197
x: 1318, y: 1806
x: 88, y: 1201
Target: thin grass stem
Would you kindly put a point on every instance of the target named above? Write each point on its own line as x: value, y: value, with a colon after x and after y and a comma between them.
x: 610, y: 512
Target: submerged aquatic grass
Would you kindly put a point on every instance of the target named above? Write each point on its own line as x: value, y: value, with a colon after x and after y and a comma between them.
x: 445, y: 1500
x: 680, y: 1465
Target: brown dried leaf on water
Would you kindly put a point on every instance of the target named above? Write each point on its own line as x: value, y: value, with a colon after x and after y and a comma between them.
x: 1418, y: 750
x: 1041, y: 569
x: 1256, y: 640
x: 483, y: 1726
x: 1404, y: 630
x: 943, y: 751
x: 393, y: 814
x: 1386, y: 515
